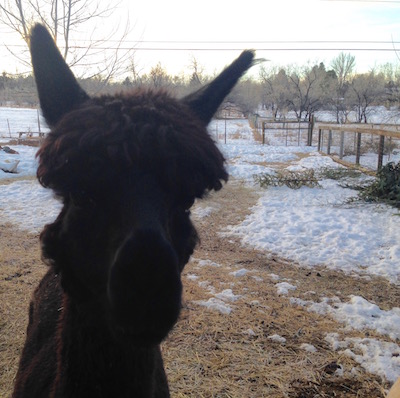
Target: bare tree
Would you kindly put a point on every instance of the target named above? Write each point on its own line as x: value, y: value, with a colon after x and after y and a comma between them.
x: 159, y: 77
x: 275, y: 85
x: 343, y: 65
x: 367, y: 89
x: 135, y: 71
x: 391, y: 73
x: 246, y: 95
x: 307, y: 87
x: 64, y: 19
x: 197, y: 76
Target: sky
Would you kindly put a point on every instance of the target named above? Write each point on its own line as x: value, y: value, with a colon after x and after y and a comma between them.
x: 284, y: 32
x: 316, y: 227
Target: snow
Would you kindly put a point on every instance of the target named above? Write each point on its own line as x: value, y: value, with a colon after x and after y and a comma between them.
x: 284, y: 287
x: 317, y: 227
x: 192, y: 277
x: 308, y: 347
x: 215, y: 305
x: 227, y: 295
x: 240, y: 272
x: 27, y: 162
x: 274, y: 277
x: 249, y: 332
x: 202, y: 212
x: 358, y: 314
x: 310, y: 226
x: 27, y: 205
x: 208, y: 263
x: 277, y: 338
x: 378, y: 357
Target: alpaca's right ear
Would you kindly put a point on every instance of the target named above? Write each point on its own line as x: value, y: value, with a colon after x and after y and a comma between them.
x: 58, y: 90
x: 206, y: 101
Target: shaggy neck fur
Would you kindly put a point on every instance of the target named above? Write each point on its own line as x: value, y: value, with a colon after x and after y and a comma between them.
x: 98, y: 364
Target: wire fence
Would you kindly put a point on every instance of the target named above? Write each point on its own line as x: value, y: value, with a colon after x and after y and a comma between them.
x: 288, y: 132
x: 367, y: 145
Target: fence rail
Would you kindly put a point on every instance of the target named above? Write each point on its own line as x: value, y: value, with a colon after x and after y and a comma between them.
x: 290, y: 127
x: 31, y: 136
x: 359, y: 140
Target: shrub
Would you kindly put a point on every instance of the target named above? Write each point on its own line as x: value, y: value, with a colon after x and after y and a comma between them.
x: 338, y: 173
x: 386, y: 187
x: 292, y: 179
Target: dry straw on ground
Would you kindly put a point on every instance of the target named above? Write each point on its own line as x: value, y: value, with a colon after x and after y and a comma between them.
x: 210, y: 354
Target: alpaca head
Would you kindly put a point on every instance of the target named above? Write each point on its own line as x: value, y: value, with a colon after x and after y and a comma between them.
x: 127, y: 168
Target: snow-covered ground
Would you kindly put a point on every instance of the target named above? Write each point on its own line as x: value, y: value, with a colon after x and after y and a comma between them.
x: 376, y: 115
x: 311, y: 226
x: 15, y: 120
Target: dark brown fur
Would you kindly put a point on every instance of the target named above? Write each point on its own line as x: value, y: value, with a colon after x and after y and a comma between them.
x: 127, y: 169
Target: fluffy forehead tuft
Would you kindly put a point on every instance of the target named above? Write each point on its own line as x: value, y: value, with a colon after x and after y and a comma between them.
x: 108, y: 138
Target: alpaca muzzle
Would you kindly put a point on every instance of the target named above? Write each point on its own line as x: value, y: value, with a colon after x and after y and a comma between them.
x: 144, y: 286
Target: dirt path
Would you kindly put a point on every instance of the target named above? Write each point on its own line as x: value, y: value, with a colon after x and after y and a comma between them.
x: 211, y: 354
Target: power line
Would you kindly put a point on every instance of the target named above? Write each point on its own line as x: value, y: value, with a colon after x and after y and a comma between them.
x: 386, y: 49
x: 363, y: 1
x: 369, y: 42
x: 255, y: 41
x: 258, y: 45
x: 240, y: 49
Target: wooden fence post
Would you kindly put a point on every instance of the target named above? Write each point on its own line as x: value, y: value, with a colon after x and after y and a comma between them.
x: 319, y: 139
x: 298, y: 134
x: 358, y: 149
x: 38, y: 121
x: 361, y: 137
x: 310, y: 130
x: 380, y: 151
x: 225, y: 129
x: 263, y: 133
x: 341, y: 145
x: 287, y: 131
x: 9, y: 130
x: 328, y: 151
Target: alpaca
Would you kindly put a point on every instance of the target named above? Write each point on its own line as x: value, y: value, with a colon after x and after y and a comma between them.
x: 127, y: 169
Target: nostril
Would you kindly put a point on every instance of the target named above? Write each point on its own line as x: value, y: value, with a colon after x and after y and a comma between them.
x: 144, y: 284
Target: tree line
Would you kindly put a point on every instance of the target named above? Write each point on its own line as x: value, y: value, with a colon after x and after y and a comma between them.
x: 302, y: 90
x: 310, y: 88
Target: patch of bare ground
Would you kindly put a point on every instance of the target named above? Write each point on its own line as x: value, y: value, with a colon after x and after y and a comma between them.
x: 210, y: 354
x: 20, y: 271
x: 7, y: 181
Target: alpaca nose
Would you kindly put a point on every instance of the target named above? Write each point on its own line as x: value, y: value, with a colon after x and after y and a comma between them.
x: 144, y: 285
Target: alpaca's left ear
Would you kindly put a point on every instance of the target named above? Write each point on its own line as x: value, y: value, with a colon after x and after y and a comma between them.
x: 206, y: 101
x: 58, y: 90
